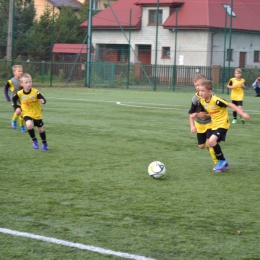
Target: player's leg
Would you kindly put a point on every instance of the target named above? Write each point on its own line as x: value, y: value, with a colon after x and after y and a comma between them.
x: 39, y: 126
x: 234, y: 121
x: 211, y: 150
x: 22, y: 126
x: 240, y: 105
x: 29, y: 125
x: 217, y: 136
x: 13, y: 121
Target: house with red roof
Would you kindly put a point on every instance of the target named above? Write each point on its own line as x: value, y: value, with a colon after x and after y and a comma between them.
x: 190, y: 32
x: 68, y: 52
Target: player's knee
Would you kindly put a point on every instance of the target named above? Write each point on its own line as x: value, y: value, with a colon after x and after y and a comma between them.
x: 29, y: 124
x: 202, y: 146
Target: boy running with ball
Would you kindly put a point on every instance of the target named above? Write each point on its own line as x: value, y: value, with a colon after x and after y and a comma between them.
x: 217, y: 109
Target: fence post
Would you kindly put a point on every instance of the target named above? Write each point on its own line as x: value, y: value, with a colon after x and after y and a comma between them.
x: 43, y: 71
x: 216, y: 75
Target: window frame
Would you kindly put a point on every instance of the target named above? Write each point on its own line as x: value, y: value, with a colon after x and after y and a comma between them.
x: 154, y: 12
x: 164, y: 50
x: 256, y: 56
x: 229, y: 55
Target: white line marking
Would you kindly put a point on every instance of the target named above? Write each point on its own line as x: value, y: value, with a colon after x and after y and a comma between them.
x: 122, y: 103
x: 140, y: 105
x: 150, y: 107
x: 76, y: 245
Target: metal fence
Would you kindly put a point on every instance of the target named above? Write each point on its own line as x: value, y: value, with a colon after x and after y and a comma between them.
x: 164, y: 53
x: 114, y: 75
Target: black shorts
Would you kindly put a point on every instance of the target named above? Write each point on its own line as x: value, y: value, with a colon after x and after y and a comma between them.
x: 37, y: 123
x: 202, y: 137
x: 237, y: 103
x: 220, y: 133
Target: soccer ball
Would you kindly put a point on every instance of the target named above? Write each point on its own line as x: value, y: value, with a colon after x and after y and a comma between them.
x: 157, y: 169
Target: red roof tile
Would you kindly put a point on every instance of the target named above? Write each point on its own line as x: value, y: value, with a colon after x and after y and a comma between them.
x: 192, y: 14
x: 120, y: 11
x: 161, y: 3
x: 211, y: 14
x: 69, y: 48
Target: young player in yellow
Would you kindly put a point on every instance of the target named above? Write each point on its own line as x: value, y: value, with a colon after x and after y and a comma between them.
x: 217, y: 108
x: 237, y: 85
x: 13, y: 85
x: 30, y: 108
x: 201, y: 123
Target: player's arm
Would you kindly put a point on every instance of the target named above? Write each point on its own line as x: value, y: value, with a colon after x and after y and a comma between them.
x: 239, y: 110
x: 17, y: 108
x: 230, y: 84
x: 193, y: 128
x: 41, y: 97
x: 192, y: 110
x: 202, y: 115
x: 6, y: 88
x: 243, y: 84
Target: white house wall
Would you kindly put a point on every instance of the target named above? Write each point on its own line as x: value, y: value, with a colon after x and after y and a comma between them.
x: 240, y: 42
x: 194, y: 47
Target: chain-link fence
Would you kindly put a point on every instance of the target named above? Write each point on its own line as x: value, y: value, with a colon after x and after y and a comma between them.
x: 159, y: 46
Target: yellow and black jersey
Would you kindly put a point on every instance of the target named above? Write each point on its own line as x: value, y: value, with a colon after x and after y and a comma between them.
x: 30, y: 103
x: 196, y: 108
x: 12, y: 85
x: 237, y: 93
x: 217, y: 108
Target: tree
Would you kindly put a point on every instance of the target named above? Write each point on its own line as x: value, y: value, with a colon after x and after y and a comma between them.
x: 39, y: 38
x: 23, y: 21
x: 4, y: 10
x: 23, y: 16
x: 66, y: 28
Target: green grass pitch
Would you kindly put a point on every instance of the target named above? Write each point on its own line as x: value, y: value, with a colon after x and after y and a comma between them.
x: 92, y: 186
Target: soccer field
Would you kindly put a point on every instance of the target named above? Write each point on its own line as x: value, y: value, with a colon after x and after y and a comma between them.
x: 90, y: 196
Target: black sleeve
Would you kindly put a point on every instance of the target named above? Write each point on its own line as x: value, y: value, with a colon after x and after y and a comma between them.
x: 15, y: 99
x: 40, y: 96
x: 6, y: 87
x: 193, y: 109
x: 220, y: 103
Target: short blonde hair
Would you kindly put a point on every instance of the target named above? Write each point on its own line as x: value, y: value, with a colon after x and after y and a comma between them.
x: 238, y: 70
x: 207, y: 84
x: 199, y: 77
x: 15, y: 67
x: 25, y: 76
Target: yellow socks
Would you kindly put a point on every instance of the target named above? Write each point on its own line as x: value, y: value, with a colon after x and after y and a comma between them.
x: 21, y: 121
x: 213, y: 155
x: 15, y: 116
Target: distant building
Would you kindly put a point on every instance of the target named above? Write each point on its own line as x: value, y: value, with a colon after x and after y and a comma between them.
x: 100, y: 4
x: 40, y: 5
x: 68, y: 52
x: 198, y: 28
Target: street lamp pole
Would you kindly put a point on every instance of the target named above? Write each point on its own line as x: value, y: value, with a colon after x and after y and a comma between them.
x: 10, y: 31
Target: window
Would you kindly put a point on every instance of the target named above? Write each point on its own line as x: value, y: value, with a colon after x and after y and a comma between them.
x: 153, y: 17
x: 256, y: 56
x: 166, y: 51
x: 95, y: 5
x: 230, y: 54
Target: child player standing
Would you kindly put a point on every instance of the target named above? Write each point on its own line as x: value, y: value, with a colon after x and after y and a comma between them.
x: 237, y: 85
x: 217, y: 108
x: 201, y: 123
x: 30, y: 108
x: 14, y: 85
